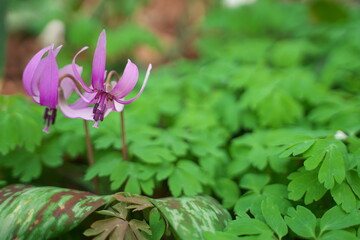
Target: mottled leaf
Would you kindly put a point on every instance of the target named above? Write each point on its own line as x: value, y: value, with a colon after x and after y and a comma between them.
x: 190, y: 217
x: 35, y: 213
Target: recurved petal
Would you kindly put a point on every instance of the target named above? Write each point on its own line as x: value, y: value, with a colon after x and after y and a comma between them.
x: 81, y: 110
x: 67, y: 84
x: 118, y: 107
x: 77, y: 74
x: 127, y: 81
x: 99, y: 61
x: 49, y: 81
x: 30, y: 69
x: 141, y: 90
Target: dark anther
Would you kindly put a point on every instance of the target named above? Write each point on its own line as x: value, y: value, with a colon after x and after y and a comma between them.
x: 53, y: 116
x: 49, y: 116
x: 97, y: 115
x: 100, y: 106
x: 95, y: 107
x: 46, y: 114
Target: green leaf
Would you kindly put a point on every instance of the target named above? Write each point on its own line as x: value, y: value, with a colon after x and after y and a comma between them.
x: 152, y: 153
x: 248, y: 226
x: 220, y: 235
x: 190, y: 217
x: 119, y: 174
x: 248, y: 202
x: 24, y: 165
x: 173, y: 141
x: 301, y: 221
x: 228, y: 190
x: 279, y: 109
x: 20, y: 124
x: 29, y: 212
x: 278, y: 193
x: 147, y: 186
x: 252, y: 201
x: 273, y: 217
x: 331, y: 154
x: 344, y: 196
x: 338, y: 235
x: 335, y: 219
x: 187, y: 178
x: 289, y: 53
x: 305, y: 183
x: 254, y: 182
x: 157, y: 225
x: 164, y: 171
x: 298, y: 148
x: 103, y: 166
x: 353, y: 179
x: 133, y: 185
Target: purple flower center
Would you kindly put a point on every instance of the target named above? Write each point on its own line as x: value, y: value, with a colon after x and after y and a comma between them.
x: 99, y: 109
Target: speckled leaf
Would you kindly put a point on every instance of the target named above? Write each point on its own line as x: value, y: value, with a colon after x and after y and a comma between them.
x: 190, y: 217
x: 37, y: 213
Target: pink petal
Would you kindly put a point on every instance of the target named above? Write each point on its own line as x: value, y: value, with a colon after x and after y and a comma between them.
x: 31, y: 68
x: 49, y: 81
x: 77, y: 74
x: 141, y: 90
x: 118, y: 107
x: 67, y: 85
x: 35, y: 83
x: 99, y: 61
x: 127, y: 81
x: 70, y: 111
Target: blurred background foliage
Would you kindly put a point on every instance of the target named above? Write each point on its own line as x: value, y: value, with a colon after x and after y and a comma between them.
x: 232, y: 89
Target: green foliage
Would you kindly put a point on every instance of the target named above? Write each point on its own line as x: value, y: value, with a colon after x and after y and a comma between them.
x: 266, y: 120
x: 21, y: 125
x: 301, y: 221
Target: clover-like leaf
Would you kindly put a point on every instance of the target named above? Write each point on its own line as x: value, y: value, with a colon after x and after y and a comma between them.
x: 273, y: 217
x: 335, y: 219
x: 305, y: 183
x: 301, y: 221
x: 331, y: 154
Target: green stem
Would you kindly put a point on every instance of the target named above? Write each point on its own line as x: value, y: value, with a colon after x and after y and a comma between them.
x: 90, y: 154
x: 123, y: 137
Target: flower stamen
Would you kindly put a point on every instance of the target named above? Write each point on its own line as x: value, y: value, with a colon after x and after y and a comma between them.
x: 49, y: 118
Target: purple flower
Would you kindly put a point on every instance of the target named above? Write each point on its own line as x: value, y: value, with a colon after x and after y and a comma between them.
x: 106, y: 96
x: 40, y: 79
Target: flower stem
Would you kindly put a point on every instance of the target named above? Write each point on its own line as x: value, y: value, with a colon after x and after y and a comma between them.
x: 123, y: 137
x: 90, y: 154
